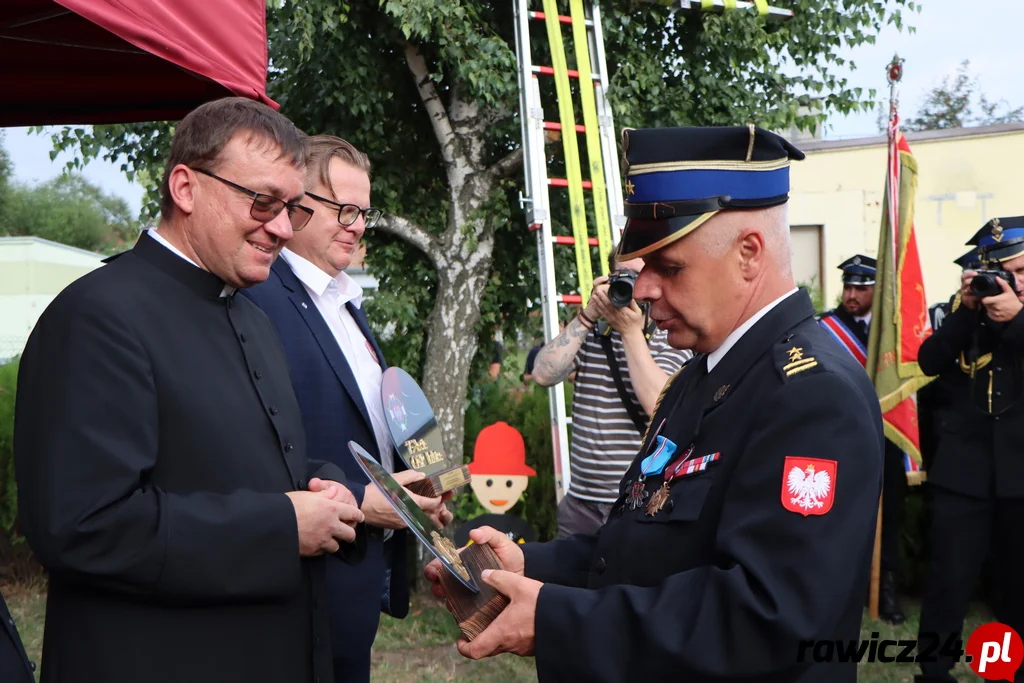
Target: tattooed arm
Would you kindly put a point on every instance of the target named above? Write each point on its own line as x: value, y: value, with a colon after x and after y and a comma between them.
x: 554, y: 362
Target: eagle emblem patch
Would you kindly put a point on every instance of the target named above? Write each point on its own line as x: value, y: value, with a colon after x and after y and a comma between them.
x: 808, y: 485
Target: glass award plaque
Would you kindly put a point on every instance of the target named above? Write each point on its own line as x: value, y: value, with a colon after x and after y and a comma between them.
x: 473, y: 603
x: 417, y: 436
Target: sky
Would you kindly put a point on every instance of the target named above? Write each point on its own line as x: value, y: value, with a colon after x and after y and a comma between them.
x: 948, y: 32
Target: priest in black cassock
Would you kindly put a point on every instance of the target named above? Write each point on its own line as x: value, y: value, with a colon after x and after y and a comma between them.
x: 160, y: 455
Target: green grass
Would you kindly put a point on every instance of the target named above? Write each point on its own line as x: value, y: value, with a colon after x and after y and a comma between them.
x: 421, y: 647
x: 28, y: 607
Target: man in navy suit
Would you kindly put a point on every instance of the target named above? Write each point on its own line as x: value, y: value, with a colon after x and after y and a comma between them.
x: 336, y: 367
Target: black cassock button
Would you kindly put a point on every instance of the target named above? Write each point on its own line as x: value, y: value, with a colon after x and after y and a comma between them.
x: 258, y: 374
x: 273, y: 410
x: 288, y: 447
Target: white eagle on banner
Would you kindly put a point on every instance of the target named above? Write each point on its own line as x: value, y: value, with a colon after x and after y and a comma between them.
x: 808, y: 487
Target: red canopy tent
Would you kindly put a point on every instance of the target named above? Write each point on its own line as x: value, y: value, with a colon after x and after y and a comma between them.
x: 107, y: 61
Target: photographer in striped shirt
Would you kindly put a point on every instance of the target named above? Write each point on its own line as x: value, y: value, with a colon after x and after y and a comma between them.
x: 622, y: 362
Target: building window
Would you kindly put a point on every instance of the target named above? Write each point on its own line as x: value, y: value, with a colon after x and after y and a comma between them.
x: 807, y: 245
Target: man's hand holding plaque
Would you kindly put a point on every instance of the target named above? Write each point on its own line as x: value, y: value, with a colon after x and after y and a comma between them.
x: 509, y: 628
x: 380, y: 512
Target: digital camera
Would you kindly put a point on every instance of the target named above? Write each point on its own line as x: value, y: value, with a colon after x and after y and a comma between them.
x: 985, y: 284
x: 620, y: 288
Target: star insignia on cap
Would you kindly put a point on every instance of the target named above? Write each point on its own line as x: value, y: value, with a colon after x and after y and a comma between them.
x: 630, y: 188
x: 856, y: 260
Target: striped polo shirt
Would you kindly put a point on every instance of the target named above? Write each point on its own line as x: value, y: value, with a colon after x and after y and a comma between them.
x: 604, y: 438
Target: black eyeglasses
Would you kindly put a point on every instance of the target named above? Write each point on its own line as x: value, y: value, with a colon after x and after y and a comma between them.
x: 349, y: 213
x: 265, y: 207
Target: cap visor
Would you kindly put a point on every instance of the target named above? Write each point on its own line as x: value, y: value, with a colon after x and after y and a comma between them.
x: 642, y: 236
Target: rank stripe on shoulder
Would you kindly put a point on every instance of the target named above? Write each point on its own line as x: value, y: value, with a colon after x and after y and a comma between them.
x: 799, y: 366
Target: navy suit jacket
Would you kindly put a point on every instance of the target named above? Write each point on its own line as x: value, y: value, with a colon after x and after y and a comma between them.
x: 333, y: 413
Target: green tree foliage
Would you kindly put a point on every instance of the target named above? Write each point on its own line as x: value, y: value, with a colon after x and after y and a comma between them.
x: 951, y: 105
x: 69, y: 210
x: 5, y: 171
x: 429, y: 91
x: 8, y: 488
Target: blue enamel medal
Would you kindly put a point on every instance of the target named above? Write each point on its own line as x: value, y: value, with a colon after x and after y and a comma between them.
x: 652, y: 464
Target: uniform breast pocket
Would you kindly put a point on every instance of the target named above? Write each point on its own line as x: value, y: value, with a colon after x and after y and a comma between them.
x: 686, y: 500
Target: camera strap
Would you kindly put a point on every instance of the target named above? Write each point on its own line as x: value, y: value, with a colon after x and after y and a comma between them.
x: 627, y: 401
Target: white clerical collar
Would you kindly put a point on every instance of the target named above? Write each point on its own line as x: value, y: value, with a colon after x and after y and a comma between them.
x: 718, y: 354
x: 319, y: 282
x: 228, y: 289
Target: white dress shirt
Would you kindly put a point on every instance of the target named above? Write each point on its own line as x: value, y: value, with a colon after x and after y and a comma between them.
x: 330, y: 294
x: 866, y: 319
x: 228, y: 289
x: 718, y: 354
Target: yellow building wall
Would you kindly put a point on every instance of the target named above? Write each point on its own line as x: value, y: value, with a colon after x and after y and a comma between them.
x: 841, y: 190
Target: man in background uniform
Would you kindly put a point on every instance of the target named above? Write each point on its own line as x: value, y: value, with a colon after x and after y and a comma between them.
x: 745, y: 524
x: 976, y: 482
x: 935, y: 396
x: 849, y: 325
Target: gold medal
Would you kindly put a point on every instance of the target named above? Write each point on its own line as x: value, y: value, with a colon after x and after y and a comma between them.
x: 658, y: 500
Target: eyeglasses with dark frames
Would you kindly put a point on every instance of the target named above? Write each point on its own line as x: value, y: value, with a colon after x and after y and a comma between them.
x: 265, y: 207
x: 349, y: 213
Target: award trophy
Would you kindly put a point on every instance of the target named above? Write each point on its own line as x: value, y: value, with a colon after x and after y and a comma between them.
x: 473, y: 603
x: 416, y: 435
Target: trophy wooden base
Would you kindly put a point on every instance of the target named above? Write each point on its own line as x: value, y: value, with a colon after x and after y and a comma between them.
x: 473, y: 611
x: 440, y: 483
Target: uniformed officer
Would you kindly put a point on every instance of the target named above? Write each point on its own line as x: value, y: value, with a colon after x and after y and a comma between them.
x: 935, y: 397
x: 976, y: 481
x: 15, y: 666
x: 849, y: 324
x: 745, y: 524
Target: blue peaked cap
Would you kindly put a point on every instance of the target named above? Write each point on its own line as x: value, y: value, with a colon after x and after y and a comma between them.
x: 859, y: 270
x: 1001, y: 239
x: 678, y: 178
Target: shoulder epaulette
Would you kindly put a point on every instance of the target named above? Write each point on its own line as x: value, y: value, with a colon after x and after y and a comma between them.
x: 794, y: 356
x: 956, y: 302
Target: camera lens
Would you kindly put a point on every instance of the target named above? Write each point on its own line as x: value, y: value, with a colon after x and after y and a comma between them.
x: 620, y: 288
x: 984, y: 284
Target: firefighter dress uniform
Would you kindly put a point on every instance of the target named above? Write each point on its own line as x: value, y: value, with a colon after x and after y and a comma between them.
x: 745, y: 524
